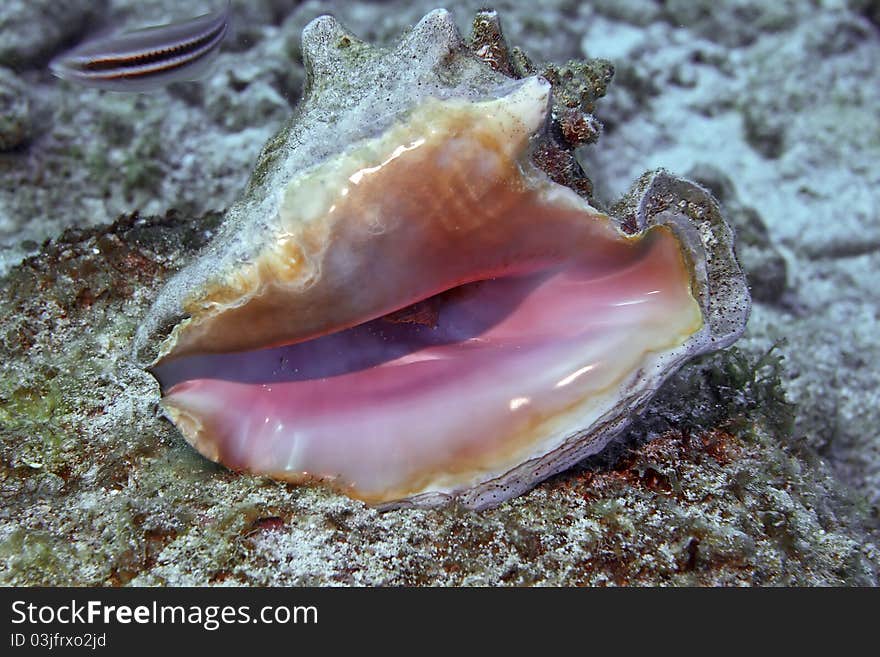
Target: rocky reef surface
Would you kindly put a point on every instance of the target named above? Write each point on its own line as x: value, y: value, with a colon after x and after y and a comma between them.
x: 763, y: 464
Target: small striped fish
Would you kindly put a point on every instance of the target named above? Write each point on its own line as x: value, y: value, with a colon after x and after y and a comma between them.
x: 149, y: 58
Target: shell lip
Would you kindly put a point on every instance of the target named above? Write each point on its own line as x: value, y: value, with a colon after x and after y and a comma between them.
x: 297, y: 257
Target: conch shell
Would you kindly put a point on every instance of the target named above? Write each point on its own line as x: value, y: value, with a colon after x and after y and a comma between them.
x: 405, y: 307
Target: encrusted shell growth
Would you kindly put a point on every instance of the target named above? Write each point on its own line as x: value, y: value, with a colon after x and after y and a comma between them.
x: 408, y: 306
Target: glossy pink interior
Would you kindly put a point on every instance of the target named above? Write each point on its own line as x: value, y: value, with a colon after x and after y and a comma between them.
x: 387, y: 404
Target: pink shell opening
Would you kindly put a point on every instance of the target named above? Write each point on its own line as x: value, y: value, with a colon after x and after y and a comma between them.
x: 472, y: 381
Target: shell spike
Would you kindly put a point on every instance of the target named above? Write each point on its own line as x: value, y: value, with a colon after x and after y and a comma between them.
x: 325, y: 44
x: 488, y: 43
x: 433, y: 38
x: 486, y: 29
